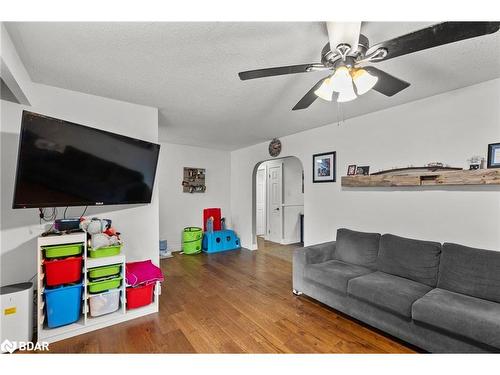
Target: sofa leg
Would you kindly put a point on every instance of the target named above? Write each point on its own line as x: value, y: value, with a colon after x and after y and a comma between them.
x: 296, y: 292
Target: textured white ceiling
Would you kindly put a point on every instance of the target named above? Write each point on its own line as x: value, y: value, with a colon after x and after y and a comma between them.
x: 189, y: 71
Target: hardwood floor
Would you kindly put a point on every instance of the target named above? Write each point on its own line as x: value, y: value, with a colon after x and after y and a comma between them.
x: 234, y: 302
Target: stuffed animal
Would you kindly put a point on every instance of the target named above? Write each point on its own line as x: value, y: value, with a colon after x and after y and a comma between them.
x: 98, y: 229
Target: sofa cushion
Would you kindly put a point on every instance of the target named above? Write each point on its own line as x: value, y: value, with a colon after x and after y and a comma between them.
x: 334, y: 274
x: 470, y: 271
x: 412, y: 259
x: 389, y: 292
x: 463, y: 315
x: 357, y: 247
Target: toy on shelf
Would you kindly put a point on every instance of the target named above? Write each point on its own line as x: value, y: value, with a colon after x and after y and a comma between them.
x: 216, y: 237
x: 102, y: 235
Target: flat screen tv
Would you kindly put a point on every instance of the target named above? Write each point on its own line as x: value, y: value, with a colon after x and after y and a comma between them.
x: 61, y: 163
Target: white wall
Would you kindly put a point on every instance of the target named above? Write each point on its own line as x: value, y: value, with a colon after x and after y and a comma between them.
x: 449, y: 127
x: 179, y: 209
x: 19, y: 228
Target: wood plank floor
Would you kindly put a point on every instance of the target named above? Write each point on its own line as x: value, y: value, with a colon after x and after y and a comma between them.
x: 234, y: 302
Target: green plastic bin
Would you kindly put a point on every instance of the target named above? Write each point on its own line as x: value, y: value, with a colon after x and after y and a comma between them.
x: 191, y: 240
x: 107, y: 251
x: 104, y: 285
x: 60, y: 251
x: 98, y: 272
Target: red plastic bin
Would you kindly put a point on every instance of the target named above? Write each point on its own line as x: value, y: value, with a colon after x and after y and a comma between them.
x: 139, y: 296
x: 63, y: 271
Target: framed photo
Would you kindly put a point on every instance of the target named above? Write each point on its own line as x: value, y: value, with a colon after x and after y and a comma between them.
x: 324, y: 167
x: 365, y: 170
x: 494, y: 155
x: 351, y: 170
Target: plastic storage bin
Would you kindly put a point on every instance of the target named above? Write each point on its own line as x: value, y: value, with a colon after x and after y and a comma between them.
x: 100, y: 286
x: 60, y: 251
x: 191, y: 240
x: 63, y: 305
x: 107, y: 251
x: 95, y: 273
x: 105, y: 303
x: 139, y: 296
x: 63, y: 271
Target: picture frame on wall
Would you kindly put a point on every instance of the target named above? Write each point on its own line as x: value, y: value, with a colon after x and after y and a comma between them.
x: 363, y: 170
x: 493, y: 155
x: 324, y: 167
x: 351, y: 170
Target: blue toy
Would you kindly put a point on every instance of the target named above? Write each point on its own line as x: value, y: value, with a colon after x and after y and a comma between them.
x: 219, y: 240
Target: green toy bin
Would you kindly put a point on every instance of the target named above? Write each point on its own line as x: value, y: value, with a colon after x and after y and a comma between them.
x: 107, y: 251
x: 104, y: 285
x: 60, y: 251
x: 191, y: 240
x: 98, y: 272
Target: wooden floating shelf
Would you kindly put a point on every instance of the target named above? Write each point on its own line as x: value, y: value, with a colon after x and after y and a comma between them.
x: 436, y: 178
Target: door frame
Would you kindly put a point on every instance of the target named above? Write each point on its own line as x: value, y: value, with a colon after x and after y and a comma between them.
x: 262, y: 167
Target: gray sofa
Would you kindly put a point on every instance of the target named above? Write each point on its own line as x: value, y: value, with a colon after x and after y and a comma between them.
x: 440, y: 298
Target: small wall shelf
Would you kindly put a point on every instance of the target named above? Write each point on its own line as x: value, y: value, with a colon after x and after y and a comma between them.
x: 436, y: 178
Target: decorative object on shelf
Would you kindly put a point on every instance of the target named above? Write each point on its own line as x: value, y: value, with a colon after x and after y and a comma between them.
x: 426, y: 178
x: 324, y: 167
x: 435, y: 164
x: 364, y: 170
x: 101, y: 233
x: 194, y: 180
x: 351, y: 170
x: 494, y: 155
x: 275, y: 147
x: 475, y: 162
x: 416, y: 170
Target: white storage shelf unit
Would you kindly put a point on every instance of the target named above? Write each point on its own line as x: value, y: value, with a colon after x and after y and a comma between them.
x: 86, y: 323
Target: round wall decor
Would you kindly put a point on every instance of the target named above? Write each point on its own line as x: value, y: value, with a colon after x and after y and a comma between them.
x: 275, y: 147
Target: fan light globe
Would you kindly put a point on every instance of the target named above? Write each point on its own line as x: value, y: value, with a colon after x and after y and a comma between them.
x: 347, y: 95
x: 341, y: 79
x: 325, y: 91
x: 363, y: 80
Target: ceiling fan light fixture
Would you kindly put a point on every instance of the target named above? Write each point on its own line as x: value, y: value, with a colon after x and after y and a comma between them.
x: 325, y: 91
x: 347, y: 95
x: 341, y: 80
x: 363, y: 81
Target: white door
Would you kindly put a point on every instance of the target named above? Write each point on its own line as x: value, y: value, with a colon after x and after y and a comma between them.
x: 275, y: 203
x: 261, y: 201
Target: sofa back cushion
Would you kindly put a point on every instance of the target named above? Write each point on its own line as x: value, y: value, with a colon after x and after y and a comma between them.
x: 412, y: 259
x: 470, y: 271
x: 357, y: 247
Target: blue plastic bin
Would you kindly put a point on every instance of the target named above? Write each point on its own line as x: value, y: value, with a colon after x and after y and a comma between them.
x: 63, y: 305
x: 220, y: 240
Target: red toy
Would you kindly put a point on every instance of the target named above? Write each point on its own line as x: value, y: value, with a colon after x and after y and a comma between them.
x: 216, y: 214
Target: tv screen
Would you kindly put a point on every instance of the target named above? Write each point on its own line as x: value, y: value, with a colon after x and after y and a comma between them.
x: 65, y: 164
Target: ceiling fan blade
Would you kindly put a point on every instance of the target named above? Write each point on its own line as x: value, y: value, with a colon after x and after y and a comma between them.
x: 386, y: 84
x: 433, y: 36
x: 310, y: 97
x: 343, y: 33
x: 278, y: 71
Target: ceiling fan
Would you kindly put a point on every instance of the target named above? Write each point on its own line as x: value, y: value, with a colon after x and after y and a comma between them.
x: 350, y: 76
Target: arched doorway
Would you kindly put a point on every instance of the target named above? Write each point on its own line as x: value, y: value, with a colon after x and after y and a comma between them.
x: 277, y: 202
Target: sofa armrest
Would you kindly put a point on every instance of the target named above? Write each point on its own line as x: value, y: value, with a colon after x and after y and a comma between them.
x: 314, y: 254
x: 309, y: 255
